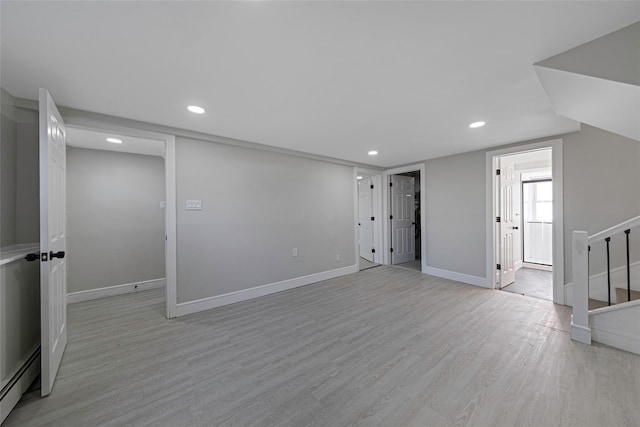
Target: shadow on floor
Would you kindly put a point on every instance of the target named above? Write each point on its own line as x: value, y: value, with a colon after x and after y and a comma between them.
x: 532, y: 283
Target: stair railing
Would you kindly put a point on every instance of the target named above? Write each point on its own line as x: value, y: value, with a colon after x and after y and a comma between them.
x: 581, y: 246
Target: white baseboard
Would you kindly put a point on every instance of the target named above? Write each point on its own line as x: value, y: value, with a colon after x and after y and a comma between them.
x: 30, y: 371
x: 111, y: 291
x: 616, y: 339
x: 617, y: 326
x: 259, y: 291
x: 580, y: 333
x: 458, y: 277
x: 537, y: 266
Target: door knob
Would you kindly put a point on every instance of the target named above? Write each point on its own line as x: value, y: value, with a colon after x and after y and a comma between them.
x: 59, y: 254
x: 32, y: 257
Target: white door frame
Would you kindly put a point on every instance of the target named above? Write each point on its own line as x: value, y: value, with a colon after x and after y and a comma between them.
x: 387, y: 209
x: 170, y: 194
x: 555, y: 145
x: 377, y: 212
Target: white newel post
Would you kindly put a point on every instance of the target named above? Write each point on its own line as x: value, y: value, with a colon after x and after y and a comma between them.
x: 580, y: 330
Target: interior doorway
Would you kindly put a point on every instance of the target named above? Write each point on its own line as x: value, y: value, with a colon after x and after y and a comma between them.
x: 405, y: 220
x: 524, y: 200
x: 146, y: 146
x: 368, y: 232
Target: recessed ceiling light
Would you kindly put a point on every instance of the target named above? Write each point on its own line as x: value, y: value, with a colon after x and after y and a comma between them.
x: 373, y: 152
x: 477, y: 124
x: 195, y: 109
x: 114, y: 140
x: 359, y: 177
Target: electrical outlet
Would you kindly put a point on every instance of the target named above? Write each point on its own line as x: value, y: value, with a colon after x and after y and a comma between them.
x: 163, y: 204
x: 295, y: 252
x: 337, y: 257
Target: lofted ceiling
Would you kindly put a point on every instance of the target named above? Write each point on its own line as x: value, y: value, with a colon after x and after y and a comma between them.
x: 331, y: 78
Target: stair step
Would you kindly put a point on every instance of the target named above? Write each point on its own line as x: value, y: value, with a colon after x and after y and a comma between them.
x: 595, y: 303
x: 621, y: 295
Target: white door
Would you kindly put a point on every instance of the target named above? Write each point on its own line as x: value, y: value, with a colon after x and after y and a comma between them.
x: 365, y: 213
x: 53, y: 237
x: 508, y: 223
x: 403, y: 219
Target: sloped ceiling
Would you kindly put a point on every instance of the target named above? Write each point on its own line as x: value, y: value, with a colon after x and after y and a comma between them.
x: 598, y: 83
x: 331, y: 78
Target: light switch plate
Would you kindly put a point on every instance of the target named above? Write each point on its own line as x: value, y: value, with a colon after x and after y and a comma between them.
x: 194, y: 205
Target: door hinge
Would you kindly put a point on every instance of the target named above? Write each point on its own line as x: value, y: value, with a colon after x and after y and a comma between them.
x: 391, y: 184
x: 497, y: 219
x: 373, y: 250
x: 497, y: 171
x: 391, y: 249
x: 390, y: 216
x: 372, y: 186
x: 373, y: 218
x: 498, y: 267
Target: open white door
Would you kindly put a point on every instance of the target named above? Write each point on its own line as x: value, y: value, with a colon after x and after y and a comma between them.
x: 365, y: 213
x: 53, y: 240
x: 403, y: 219
x: 508, y: 224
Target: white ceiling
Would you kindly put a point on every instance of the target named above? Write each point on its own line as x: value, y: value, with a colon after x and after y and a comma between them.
x: 330, y: 78
x: 98, y: 141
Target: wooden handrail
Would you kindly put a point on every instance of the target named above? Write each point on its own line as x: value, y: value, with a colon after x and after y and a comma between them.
x: 616, y: 229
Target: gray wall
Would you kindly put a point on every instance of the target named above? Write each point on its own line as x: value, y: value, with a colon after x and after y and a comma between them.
x: 8, y: 162
x: 602, y: 189
x: 19, y: 187
x: 455, y: 213
x: 115, y: 224
x: 28, y: 178
x: 601, y: 179
x: 257, y: 206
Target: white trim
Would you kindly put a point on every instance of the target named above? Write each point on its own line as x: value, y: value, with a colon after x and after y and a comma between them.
x: 423, y: 209
x: 616, y: 339
x: 377, y: 213
x: 458, y: 277
x: 17, y: 252
x: 568, y: 294
x: 259, y: 291
x: 616, y: 229
x: 171, y: 259
x: 617, y: 326
x: 356, y: 213
x: 103, y: 123
x: 558, y: 212
x: 616, y: 307
x: 110, y: 291
x: 534, y: 266
x: 20, y: 387
x: 580, y: 333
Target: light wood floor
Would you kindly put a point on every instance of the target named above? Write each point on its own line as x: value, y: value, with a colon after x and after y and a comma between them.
x: 382, y: 347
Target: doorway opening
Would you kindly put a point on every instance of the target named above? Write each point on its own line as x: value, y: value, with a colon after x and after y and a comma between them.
x: 368, y: 232
x: 405, y: 220
x: 130, y: 190
x: 526, y: 219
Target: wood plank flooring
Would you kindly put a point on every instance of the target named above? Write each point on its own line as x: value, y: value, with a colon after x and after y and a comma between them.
x: 383, y: 347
